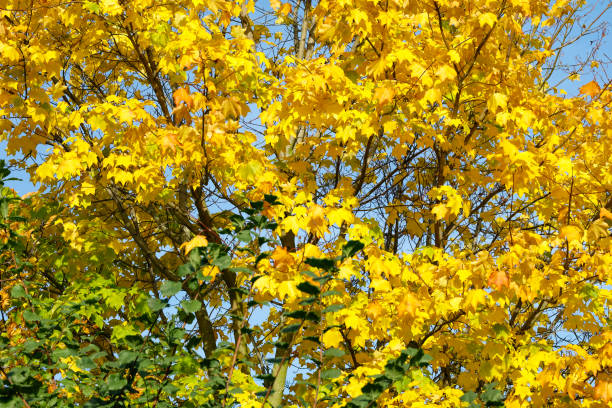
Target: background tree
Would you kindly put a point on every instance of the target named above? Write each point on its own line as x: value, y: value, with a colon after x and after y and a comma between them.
x: 432, y: 132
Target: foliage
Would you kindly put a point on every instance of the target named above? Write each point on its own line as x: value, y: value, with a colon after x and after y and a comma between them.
x: 326, y: 204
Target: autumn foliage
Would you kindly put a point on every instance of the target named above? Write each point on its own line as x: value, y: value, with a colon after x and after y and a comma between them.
x: 333, y: 203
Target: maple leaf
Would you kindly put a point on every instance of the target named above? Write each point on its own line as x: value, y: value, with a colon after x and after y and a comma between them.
x: 384, y: 95
x: 498, y: 279
x: 408, y: 306
x: 169, y: 141
x: 497, y: 100
x: 285, y: 9
x: 195, y: 242
x: 374, y: 310
x: 182, y: 95
x: 603, y: 388
x: 316, y: 220
x: 591, y: 89
x: 332, y: 338
x: 487, y: 19
x: 605, y: 213
x: 440, y: 211
x: 572, y: 233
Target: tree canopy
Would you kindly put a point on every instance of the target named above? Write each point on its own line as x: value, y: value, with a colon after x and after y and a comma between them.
x: 333, y: 203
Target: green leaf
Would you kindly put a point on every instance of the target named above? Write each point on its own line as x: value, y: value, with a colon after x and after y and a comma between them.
x: 297, y: 314
x: 275, y: 360
x: 333, y: 352
x: 309, y: 301
x: 291, y: 328
x: 191, y: 306
x: 156, y: 304
x: 314, y: 339
x: 309, y: 288
x: 237, y: 221
x: 185, y: 269
x: 86, y: 363
x: 468, y: 396
x: 4, y: 207
x: 271, y: 199
x: 170, y: 389
x: 127, y: 357
x: 304, y: 315
x: 20, y: 375
x: 330, y: 374
x: 492, y: 397
x: 170, y: 288
x: 244, y: 236
x: 30, y: 316
x: 333, y: 308
x: 222, y: 261
x: 17, y: 292
x: 501, y: 330
x: 310, y: 274
x: 420, y: 359
x: 351, y: 248
x: 30, y: 345
x: 323, y: 263
x: 115, y: 382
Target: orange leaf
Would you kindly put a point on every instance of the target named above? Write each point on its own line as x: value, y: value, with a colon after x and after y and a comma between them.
x: 374, y: 311
x: 384, y: 95
x: 592, y: 89
x: 169, y: 141
x: 603, y: 390
x: 182, y: 95
x: 604, y: 213
x: 285, y: 9
x: 408, y: 306
x: 498, y: 279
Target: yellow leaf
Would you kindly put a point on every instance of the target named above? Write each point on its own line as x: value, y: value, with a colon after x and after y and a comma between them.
x: 497, y: 100
x: 12, y: 54
x: 432, y: 95
x: 380, y: 285
x: 604, y: 213
x: 446, y: 72
x: 571, y: 233
x: 353, y: 321
x: 195, y: 242
x: 454, y: 56
x: 332, y: 338
x: 338, y: 216
x: 374, y: 310
x: 288, y: 288
x: 285, y: 9
x: 111, y: 7
x: 316, y: 221
x: 440, y: 211
x: 487, y: 19
x: 408, y: 306
x: 384, y: 95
